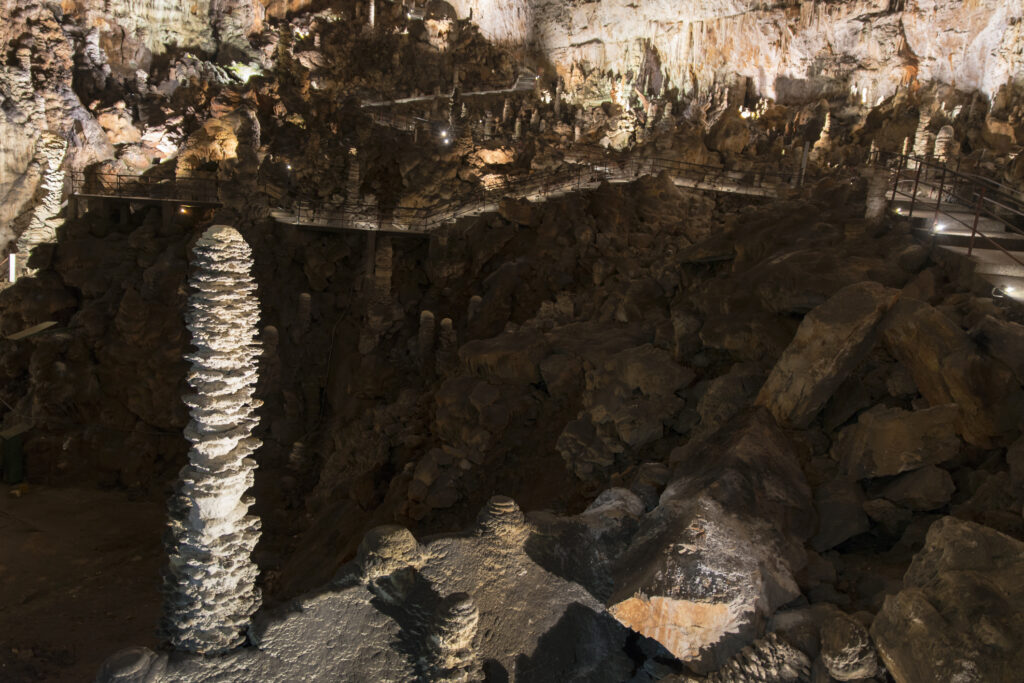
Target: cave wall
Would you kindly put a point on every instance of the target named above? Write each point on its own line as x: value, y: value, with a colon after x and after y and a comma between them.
x: 874, y: 44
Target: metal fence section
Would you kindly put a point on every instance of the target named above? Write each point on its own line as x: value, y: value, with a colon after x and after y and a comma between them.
x: 957, y: 196
x: 588, y: 167
x: 182, y: 189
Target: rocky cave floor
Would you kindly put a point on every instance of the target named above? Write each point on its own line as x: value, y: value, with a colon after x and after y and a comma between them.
x: 599, y: 340
x: 833, y: 386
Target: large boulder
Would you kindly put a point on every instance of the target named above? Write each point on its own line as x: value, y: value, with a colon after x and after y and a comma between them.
x: 960, y: 615
x: 925, y: 489
x: 840, y: 505
x: 948, y: 368
x: 716, y: 558
x: 512, y: 357
x: 887, y: 441
x: 1003, y: 341
x: 830, y: 342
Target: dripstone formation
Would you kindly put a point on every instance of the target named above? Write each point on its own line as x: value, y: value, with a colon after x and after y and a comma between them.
x: 210, y: 581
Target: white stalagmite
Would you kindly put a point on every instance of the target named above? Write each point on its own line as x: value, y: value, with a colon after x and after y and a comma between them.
x: 209, y: 586
x: 921, y: 139
x: 50, y: 152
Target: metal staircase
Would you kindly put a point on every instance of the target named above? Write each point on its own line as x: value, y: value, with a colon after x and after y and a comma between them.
x: 964, y: 214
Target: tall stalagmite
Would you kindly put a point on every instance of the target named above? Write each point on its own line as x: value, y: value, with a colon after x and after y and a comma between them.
x: 209, y: 586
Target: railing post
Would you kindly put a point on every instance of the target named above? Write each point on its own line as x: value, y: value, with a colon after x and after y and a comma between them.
x: 896, y: 182
x: 977, y: 215
x: 938, y: 200
x: 913, y: 195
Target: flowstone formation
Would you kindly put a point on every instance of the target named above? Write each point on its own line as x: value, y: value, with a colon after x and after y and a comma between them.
x: 210, y: 582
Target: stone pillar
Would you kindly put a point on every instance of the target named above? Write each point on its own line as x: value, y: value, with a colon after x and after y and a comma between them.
x: 383, y: 266
x: 558, y: 100
x: 877, y: 199
x: 506, y: 111
x: 425, y: 339
x: 452, y: 654
x: 50, y: 152
x: 488, y: 123
x: 303, y: 314
x: 210, y: 583
x: 473, y: 310
x: 921, y: 136
x: 944, y: 144
x: 517, y: 132
x: 447, y: 346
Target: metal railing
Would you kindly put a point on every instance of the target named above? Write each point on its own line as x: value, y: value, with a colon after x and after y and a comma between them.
x: 202, y: 190
x: 589, y: 166
x: 979, y: 197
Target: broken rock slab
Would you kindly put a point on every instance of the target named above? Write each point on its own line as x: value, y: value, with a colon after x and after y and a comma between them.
x: 960, y: 615
x: 923, y: 489
x: 948, y: 367
x: 716, y: 558
x: 887, y: 441
x: 830, y: 342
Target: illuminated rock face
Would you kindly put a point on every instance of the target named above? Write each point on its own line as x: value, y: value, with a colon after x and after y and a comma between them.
x: 718, y: 555
x: 51, y: 151
x: 210, y: 582
x: 199, y: 24
x: 779, y: 47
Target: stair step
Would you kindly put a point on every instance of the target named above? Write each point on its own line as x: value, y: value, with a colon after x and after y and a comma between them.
x: 992, y: 261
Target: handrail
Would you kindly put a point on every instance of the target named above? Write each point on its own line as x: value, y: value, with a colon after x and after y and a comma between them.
x: 975, y: 197
x: 180, y: 188
x: 597, y: 165
x: 1000, y: 196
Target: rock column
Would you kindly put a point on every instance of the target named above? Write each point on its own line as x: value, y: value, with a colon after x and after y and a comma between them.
x: 50, y: 153
x: 210, y: 583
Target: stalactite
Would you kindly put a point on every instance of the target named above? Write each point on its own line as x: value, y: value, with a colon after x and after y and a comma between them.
x: 209, y: 586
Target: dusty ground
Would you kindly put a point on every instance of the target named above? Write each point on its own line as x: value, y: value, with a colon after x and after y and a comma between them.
x: 79, y: 571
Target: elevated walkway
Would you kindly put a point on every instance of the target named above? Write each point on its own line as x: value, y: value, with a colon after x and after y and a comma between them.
x: 964, y: 214
x: 587, y: 169
x: 189, y: 190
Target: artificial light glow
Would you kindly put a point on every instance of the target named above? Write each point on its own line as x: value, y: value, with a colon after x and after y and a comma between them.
x: 939, y: 227
x: 244, y: 72
x: 1010, y: 289
x: 289, y: 167
x: 183, y: 210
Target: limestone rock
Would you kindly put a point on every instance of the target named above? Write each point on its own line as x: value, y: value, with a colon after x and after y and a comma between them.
x: 716, y: 557
x: 832, y: 339
x: 924, y: 489
x: 768, y: 660
x: 948, y: 369
x: 386, y: 619
x: 846, y: 649
x: 210, y: 582
x: 959, y: 616
x: 840, y: 505
x: 511, y: 356
x: 1004, y: 341
x: 887, y: 441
